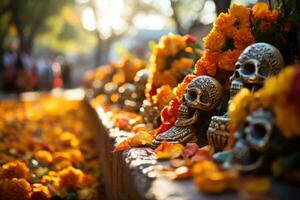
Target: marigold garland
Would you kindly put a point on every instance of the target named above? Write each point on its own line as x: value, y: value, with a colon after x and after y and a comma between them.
x: 171, y: 59
x: 230, y: 35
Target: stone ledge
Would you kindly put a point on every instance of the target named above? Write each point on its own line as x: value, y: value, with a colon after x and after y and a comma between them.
x: 129, y: 174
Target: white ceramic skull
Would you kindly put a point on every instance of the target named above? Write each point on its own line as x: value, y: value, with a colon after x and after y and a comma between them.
x: 257, y: 62
x: 201, y: 97
x: 257, y: 142
x: 203, y: 93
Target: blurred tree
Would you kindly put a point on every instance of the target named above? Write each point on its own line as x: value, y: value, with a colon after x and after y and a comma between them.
x: 29, y: 17
x: 109, y: 29
x: 5, y: 21
x: 191, y: 14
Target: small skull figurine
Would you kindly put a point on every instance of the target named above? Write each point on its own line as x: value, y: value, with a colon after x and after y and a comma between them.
x: 258, y: 142
x: 201, y: 96
x: 140, y: 80
x: 132, y: 94
x: 257, y: 62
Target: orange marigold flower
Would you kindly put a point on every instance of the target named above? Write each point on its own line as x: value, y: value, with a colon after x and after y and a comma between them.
x: 261, y: 11
x: 243, y: 38
x: 207, y: 64
x: 40, y: 192
x: 44, y: 156
x: 182, y: 63
x: 70, y: 178
x: 227, y: 59
x: 242, y: 15
x: 14, y: 169
x: 75, y: 155
x: 164, y: 96
x: 214, y: 41
x: 168, y: 78
x: 69, y: 140
x: 225, y: 23
x: 16, y: 189
x: 180, y: 89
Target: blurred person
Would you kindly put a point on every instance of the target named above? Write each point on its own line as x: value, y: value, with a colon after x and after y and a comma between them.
x: 43, y: 74
x: 56, y: 78
x: 66, y: 74
x: 32, y: 80
x: 21, y: 75
x: 9, y: 69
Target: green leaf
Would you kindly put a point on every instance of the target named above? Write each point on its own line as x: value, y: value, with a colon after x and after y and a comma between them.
x: 152, y: 45
x: 119, y: 49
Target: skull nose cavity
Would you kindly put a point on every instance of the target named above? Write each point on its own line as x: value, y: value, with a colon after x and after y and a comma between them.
x: 237, y: 74
x: 248, y: 68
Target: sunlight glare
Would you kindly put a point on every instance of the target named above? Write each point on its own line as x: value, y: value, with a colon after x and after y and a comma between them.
x: 88, y: 19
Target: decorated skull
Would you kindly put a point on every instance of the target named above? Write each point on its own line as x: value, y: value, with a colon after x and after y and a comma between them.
x: 203, y: 93
x: 131, y: 95
x: 201, y: 97
x: 257, y: 62
x: 257, y: 142
x: 140, y: 79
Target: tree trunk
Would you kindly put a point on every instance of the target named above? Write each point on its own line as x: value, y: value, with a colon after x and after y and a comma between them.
x: 103, y: 50
x: 222, y: 5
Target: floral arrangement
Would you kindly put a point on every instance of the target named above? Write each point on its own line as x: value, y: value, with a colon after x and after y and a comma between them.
x: 232, y: 32
x: 172, y: 58
x: 46, y: 151
x: 230, y: 35
x: 102, y: 73
x: 280, y: 94
x: 126, y: 68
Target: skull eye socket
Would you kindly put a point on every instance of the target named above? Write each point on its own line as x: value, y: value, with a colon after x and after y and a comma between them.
x: 237, y: 66
x: 192, y: 95
x: 248, y: 68
x: 259, y: 131
x: 264, y: 71
x: 204, y: 98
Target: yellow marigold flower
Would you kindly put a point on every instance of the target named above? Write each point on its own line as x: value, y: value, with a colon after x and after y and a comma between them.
x: 51, y: 178
x: 60, y: 155
x: 69, y: 140
x: 276, y: 88
x: 214, y: 41
x: 75, y: 155
x: 239, y: 108
x: 40, y: 192
x: 61, y: 165
x: 44, y: 156
x: 168, y: 78
x: 70, y: 178
x: 16, y: 189
x: 180, y: 89
x: 4, y: 158
x: 164, y: 96
x: 182, y: 63
x: 274, y: 95
x: 14, y: 169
